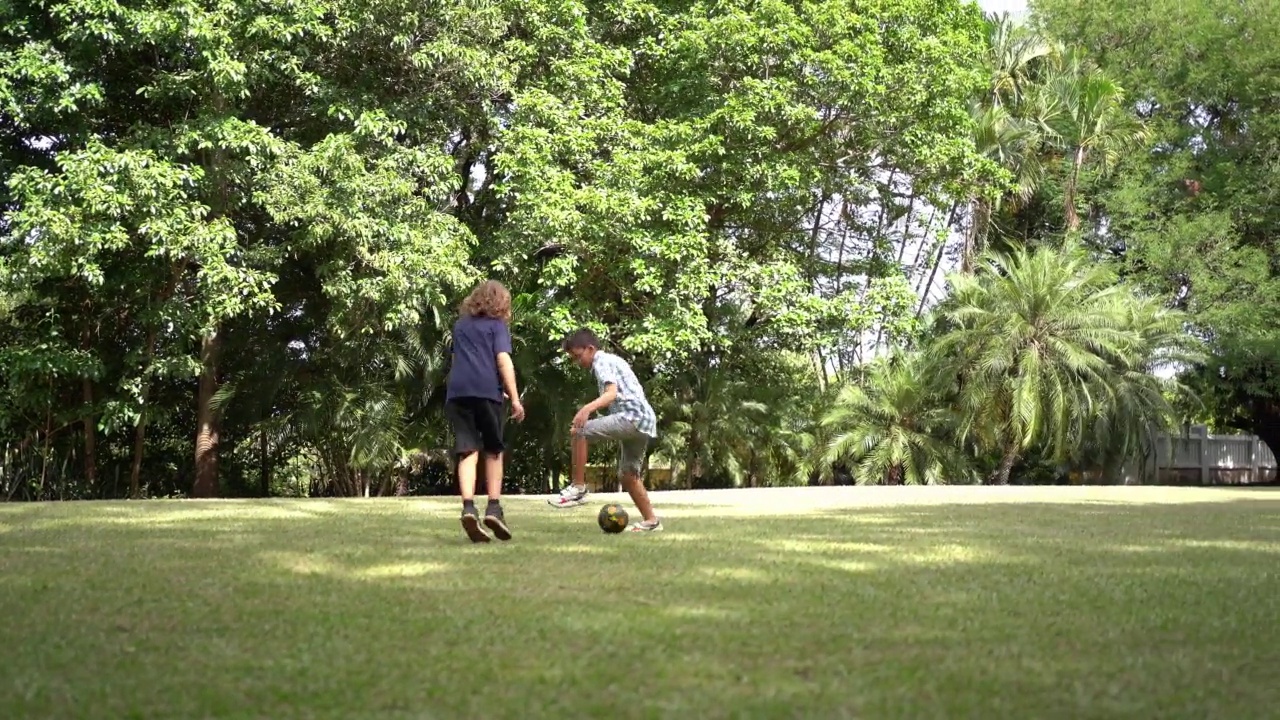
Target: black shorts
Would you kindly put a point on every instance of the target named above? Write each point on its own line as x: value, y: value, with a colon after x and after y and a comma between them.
x: 477, y: 424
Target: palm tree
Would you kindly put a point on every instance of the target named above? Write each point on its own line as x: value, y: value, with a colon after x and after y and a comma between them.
x: 1044, y: 344
x: 896, y: 429
x: 711, y: 422
x: 1007, y: 128
x: 1141, y: 403
x: 1014, y: 50
x: 1086, y: 115
x: 1014, y: 143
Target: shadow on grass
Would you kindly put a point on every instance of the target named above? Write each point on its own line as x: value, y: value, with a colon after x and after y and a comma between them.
x: 1001, y: 610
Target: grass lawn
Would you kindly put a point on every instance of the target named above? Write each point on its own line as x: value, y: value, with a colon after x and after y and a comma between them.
x: 814, y: 603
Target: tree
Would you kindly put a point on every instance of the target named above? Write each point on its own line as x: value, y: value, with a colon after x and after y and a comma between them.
x: 168, y: 164
x: 896, y: 428
x: 1194, y: 219
x: 1089, y: 118
x: 1044, y: 344
x: 1008, y: 122
x: 226, y: 227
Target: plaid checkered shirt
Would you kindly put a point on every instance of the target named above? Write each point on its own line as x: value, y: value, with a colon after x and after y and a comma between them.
x: 630, y: 402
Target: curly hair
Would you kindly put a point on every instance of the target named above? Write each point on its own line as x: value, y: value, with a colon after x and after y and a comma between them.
x: 489, y: 299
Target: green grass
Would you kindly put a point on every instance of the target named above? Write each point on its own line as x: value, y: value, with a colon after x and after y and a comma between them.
x: 946, y: 603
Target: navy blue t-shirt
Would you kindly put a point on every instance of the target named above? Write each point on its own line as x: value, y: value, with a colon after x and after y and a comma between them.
x: 476, y: 344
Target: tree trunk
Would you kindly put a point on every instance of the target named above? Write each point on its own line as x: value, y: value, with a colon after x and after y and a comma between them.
x: 902, y: 252
x: 1069, y: 193
x: 206, y: 484
x: 207, y: 421
x: 906, y: 226
x: 974, y: 239
x: 48, y: 441
x: 814, y: 245
x: 920, y: 251
x: 692, y: 469
x: 1001, y: 475
x: 838, y: 277
x: 139, y: 442
x: 937, y: 260
x: 90, y: 437
x: 140, y: 432
x: 873, y: 259
x: 89, y: 420
x: 812, y: 270
x: 265, y: 462
x: 894, y: 476
x: 402, y: 482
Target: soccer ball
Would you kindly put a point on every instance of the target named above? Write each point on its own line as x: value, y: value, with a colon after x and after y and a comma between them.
x: 612, y: 518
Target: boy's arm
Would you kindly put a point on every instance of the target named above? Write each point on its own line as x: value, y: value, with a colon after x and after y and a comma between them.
x: 507, y: 371
x: 605, y: 400
x: 600, y: 403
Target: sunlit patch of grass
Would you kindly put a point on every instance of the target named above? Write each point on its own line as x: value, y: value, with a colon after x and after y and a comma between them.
x: 856, y: 602
x: 393, y: 570
x: 740, y: 574
x: 940, y: 553
x: 1250, y: 545
x: 302, y: 563
x: 217, y: 515
x: 314, y: 564
x: 699, y: 611
x: 811, y: 544
x: 852, y: 566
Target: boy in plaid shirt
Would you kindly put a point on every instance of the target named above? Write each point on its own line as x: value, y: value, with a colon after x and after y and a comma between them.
x: 631, y: 421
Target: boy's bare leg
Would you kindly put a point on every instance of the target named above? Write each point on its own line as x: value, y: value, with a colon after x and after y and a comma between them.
x: 579, y: 473
x: 493, y: 476
x: 639, y: 496
x: 575, y: 493
x: 467, y: 477
x: 493, y: 517
x: 467, y: 489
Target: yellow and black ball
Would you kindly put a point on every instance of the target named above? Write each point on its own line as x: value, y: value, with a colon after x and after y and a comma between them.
x: 612, y: 518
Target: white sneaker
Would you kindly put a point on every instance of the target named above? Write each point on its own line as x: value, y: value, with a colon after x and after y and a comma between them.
x: 571, y: 496
x: 646, y: 526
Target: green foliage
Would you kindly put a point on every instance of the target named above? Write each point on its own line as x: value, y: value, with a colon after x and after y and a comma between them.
x: 744, y: 425
x: 1048, y: 348
x: 271, y: 210
x: 896, y: 428
x: 1194, y: 220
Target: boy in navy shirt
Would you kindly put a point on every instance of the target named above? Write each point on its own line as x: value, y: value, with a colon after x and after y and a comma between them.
x: 480, y: 374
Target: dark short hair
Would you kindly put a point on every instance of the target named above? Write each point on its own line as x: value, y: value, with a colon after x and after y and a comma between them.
x: 579, y: 339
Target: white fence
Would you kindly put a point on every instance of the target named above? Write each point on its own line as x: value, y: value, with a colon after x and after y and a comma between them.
x: 1197, y: 457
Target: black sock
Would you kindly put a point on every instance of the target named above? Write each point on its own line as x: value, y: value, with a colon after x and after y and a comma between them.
x: 494, y: 504
x: 469, y: 504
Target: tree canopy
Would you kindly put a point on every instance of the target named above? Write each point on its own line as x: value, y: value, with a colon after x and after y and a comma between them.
x: 234, y: 235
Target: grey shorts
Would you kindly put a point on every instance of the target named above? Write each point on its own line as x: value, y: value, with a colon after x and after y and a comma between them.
x: 632, y: 444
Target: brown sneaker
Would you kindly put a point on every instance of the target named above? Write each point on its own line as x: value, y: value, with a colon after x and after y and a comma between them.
x: 471, y: 524
x: 494, y: 521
